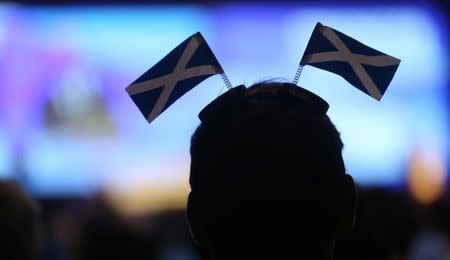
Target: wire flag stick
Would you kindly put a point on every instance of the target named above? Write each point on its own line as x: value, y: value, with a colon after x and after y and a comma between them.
x: 297, y: 74
x: 227, y: 82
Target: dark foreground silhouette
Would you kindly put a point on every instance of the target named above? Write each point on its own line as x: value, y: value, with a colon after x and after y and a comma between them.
x: 267, y: 176
x: 20, y: 236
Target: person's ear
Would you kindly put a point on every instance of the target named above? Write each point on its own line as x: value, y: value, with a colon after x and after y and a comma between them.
x: 193, y: 217
x: 349, y: 200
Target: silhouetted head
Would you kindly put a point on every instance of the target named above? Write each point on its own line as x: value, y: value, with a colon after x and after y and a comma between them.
x: 19, y: 229
x: 104, y: 235
x: 267, y: 175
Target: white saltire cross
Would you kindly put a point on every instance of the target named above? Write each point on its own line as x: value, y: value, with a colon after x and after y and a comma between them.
x: 169, y: 81
x: 355, y: 60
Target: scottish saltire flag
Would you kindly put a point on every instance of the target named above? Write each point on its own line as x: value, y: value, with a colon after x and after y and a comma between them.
x: 182, y: 69
x: 365, y: 68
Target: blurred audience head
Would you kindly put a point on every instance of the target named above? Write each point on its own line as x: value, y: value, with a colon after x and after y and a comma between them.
x: 19, y: 223
x: 267, y: 177
x: 104, y: 235
x: 385, y: 226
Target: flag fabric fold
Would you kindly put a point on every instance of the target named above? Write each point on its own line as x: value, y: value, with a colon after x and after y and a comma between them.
x: 182, y: 69
x: 367, y: 69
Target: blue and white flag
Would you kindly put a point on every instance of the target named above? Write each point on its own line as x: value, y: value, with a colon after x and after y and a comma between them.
x: 182, y: 69
x: 365, y: 68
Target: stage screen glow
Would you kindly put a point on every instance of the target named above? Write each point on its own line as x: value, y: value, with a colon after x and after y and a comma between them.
x: 64, y: 70
x: 5, y: 157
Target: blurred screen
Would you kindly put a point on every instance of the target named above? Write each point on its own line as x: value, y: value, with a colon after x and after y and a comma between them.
x: 5, y: 156
x: 70, y: 128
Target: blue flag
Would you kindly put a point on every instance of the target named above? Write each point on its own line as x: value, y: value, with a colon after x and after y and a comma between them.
x: 365, y: 68
x: 182, y: 69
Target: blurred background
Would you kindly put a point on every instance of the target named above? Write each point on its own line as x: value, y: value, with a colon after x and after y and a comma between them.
x: 74, y: 140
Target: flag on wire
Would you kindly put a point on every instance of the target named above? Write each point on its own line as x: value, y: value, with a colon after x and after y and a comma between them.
x: 182, y: 69
x: 365, y: 68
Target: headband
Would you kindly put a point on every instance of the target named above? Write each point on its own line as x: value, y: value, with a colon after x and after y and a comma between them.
x: 192, y: 62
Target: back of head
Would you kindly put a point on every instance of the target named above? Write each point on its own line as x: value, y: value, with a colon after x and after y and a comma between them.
x: 19, y: 227
x: 267, y: 172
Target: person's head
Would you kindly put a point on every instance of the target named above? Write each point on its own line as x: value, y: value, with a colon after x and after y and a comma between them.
x: 19, y: 223
x: 105, y: 234
x: 267, y: 175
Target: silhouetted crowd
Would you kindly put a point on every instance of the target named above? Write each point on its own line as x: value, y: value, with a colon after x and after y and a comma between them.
x: 389, y: 225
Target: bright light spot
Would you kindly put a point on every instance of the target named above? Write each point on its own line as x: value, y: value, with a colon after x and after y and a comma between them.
x: 141, y: 194
x: 427, y: 175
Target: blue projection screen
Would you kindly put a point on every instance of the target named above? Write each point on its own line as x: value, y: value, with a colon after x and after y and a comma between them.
x: 77, y: 130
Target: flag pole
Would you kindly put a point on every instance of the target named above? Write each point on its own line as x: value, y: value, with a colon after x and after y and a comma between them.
x: 297, y: 74
x: 227, y: 82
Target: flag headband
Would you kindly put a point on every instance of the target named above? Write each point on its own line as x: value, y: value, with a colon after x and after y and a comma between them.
x: 192, y: 62
x: 237, y: 98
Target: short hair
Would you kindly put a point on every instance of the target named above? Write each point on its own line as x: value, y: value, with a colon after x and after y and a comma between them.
x: 270, y: 152
x: 19, y: 223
